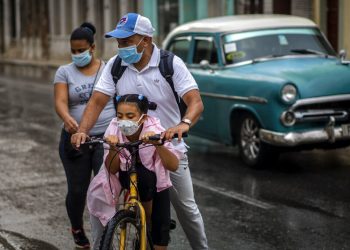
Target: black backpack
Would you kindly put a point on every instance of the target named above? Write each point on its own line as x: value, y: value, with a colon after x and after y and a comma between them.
x: 165, y: 68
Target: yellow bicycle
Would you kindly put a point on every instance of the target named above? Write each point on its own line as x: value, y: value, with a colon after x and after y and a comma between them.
x: 127, y: 229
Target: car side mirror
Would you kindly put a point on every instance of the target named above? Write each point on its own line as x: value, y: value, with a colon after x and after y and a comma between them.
x: 342, y: 56
x: 204, y: 64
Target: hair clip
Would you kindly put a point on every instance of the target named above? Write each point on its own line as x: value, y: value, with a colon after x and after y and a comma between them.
x: 118, y: 98
x: 140, y: 97
x: 152, y: 105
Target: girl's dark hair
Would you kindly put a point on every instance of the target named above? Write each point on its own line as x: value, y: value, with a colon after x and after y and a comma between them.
x: 86, y: 31
x: 141, y: 102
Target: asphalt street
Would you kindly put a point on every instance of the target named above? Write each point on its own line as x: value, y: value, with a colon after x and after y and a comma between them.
x: 302, y: 203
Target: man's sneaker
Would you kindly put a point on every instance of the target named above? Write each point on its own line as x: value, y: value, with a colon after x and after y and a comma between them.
x: 80, y: 238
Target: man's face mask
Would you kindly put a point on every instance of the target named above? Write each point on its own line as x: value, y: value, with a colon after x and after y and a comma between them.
x: 130, y: 54
x: 129, y: 127
x: 82, y: 59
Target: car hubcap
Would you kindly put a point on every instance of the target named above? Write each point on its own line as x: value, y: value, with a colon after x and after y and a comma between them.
x: 250, y: 139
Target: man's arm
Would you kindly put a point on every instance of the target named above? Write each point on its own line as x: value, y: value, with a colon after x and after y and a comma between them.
x: 91, y: 113
x: 194, y: 104
x: 194, y: 110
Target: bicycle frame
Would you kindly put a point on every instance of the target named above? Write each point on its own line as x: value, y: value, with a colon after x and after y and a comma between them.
x: 134, y: 202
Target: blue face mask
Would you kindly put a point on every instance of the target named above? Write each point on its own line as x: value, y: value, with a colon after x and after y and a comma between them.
x: 130, y: 54
x: 82, y: 59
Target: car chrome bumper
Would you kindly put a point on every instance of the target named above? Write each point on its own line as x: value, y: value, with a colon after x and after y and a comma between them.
x: 291, y: 139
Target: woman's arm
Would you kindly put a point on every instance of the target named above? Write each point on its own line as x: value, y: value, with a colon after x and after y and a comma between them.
x: 61, y: 106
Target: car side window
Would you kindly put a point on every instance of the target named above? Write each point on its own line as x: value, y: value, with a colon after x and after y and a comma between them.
x: 181, y: 47
x: 204, y: 49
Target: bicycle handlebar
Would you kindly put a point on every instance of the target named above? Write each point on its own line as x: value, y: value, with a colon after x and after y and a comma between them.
x: 97, y: 140
x: 157, y: 137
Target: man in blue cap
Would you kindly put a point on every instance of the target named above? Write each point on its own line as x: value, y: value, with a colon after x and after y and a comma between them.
x: 141, y: 58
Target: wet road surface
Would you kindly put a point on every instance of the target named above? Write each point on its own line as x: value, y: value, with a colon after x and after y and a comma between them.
x: 303, y: 203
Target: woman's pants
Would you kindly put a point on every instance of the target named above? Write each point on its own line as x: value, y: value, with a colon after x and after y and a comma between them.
x: 78, y: 172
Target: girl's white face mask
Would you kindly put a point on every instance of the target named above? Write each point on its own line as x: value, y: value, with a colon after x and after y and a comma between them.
x: 129, y: 127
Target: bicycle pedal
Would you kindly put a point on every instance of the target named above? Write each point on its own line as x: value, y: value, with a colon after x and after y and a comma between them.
x: 172, y: 224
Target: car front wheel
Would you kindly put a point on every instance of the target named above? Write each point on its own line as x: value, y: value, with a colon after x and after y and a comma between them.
x: 253, y: 151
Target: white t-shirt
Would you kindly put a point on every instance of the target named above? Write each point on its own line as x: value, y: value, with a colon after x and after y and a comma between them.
x: 150, y: 83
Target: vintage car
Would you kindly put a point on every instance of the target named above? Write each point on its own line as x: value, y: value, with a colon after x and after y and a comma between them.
x: 269, y: 83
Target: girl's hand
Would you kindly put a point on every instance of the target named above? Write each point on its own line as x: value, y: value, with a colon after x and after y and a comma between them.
x: 112, y: 140
x: 145, y: 139
x: 71, y: 125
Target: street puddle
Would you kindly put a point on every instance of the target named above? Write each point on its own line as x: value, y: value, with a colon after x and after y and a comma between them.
x: 15, y: 241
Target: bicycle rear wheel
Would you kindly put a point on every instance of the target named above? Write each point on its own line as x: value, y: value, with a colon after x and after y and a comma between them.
x: 124, y: 219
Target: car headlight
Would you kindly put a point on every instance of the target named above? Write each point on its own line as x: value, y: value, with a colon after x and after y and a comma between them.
x: 289, y: 93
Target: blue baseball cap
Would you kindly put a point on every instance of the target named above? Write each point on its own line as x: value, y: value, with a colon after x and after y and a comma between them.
x: 131, y: 24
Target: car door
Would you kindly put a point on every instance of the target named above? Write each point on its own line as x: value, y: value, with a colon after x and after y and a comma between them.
x: 194, y: 50
x: 203, y: 63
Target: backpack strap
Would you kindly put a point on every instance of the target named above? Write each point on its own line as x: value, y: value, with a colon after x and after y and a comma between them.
x: 117, y: 70
x: 167, y: 70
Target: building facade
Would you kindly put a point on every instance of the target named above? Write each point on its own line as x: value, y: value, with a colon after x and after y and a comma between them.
x: 40, y: 29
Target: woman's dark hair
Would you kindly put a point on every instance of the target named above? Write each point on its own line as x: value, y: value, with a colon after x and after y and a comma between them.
x: 86, y: 31
x: 141, y: 102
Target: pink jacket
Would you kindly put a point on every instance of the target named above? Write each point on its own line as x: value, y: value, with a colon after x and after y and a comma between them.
x: 101, y: 200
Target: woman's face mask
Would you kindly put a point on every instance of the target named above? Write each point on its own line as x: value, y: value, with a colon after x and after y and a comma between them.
x: 82, y: 59
x: 130, y: 54
x: 129, y: 127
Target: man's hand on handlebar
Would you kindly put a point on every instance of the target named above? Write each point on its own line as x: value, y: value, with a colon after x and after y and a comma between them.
x: 179, y: 129
x: 78, y: 138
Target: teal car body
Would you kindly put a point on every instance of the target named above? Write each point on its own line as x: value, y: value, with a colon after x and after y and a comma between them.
x: 267, y: 82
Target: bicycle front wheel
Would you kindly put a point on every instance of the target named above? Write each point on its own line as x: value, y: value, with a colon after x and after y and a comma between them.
x: 126, y: 221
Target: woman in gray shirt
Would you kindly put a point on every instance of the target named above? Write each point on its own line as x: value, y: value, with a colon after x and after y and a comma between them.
x: 73, y: 86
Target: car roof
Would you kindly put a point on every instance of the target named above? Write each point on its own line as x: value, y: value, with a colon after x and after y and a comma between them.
x: 242, y: 23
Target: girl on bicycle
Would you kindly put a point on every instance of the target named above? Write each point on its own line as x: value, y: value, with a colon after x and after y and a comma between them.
x: 153, y: 165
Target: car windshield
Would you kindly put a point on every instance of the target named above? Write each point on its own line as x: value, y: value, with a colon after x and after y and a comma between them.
x: 245, y: 46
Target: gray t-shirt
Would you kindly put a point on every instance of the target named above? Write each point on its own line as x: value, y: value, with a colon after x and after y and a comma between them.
x: 80, y: 88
